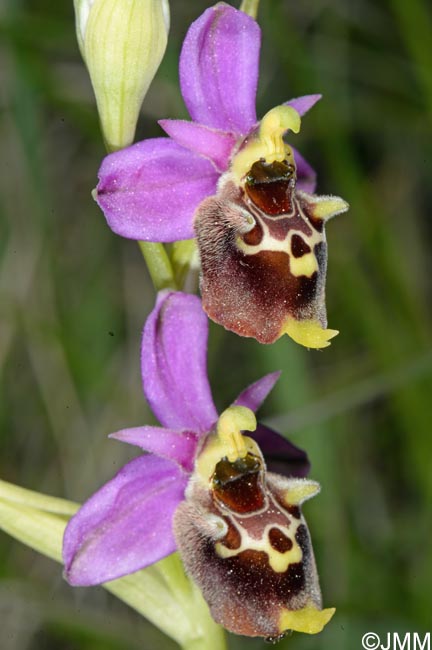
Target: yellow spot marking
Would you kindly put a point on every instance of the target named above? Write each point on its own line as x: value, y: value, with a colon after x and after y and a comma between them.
x: 279, y: 562
x: 214, y: 450
x: 308, y: 333
x: 309, y: 619
x: 305, y: 265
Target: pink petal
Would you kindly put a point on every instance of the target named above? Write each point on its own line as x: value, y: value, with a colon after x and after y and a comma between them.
x: 178, y: 446
x: 126, y: 525
x: 306, y: 175
x: 211, y: 143
x: 173, y: 363
x: 149, y: 191
x: 303, y: 104
x: 219, y: 69
x: 281, y: 456
x: 254, y: 395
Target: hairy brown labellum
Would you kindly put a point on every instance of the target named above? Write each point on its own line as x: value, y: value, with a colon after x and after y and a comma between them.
x: 264, y: 255
x: 244, y: 541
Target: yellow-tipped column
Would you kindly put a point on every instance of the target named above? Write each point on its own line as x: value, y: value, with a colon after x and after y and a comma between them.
x: 268, y: 143
x: 228, y: 441
x: 229, y: 427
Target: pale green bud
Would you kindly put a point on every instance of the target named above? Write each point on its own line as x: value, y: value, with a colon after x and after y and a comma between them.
x: 122, y: 43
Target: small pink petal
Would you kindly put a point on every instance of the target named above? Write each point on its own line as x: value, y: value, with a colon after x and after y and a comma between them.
x: 213, y: 144
x: 254, y: 395
x: 281, y: 456
x: 306, y: 175
x: 178, y: 446
x: 303, y: 104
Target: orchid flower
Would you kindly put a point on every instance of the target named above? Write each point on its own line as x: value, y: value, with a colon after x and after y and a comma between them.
x: 234, y: 183
x: 203, y: 488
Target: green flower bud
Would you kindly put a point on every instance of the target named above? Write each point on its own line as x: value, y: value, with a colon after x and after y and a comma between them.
x: 122, y: 43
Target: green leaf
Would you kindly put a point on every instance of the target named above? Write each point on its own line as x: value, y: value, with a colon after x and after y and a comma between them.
x: 161, y: 593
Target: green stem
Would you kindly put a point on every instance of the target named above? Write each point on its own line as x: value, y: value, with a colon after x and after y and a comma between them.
x: 148, y: 594
x: 215, y: 640
x: 171, y: 570
x: 159, y: 265
x: 205, y: 634
x: 42, y: 531
x: 19, y: 495
x: 161, y: 593
x: 250, y: 7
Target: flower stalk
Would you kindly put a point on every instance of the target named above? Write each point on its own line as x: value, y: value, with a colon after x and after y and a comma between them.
x: 206, y: 633
x: 29, y: 498
x: 159, y: 265
x: 250, y: 7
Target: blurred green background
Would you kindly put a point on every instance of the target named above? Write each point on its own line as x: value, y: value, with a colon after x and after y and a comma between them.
x: 74, y: 298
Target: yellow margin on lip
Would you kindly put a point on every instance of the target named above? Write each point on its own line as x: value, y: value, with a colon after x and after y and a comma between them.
x: 308, y: 333
x: 309, y: 620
